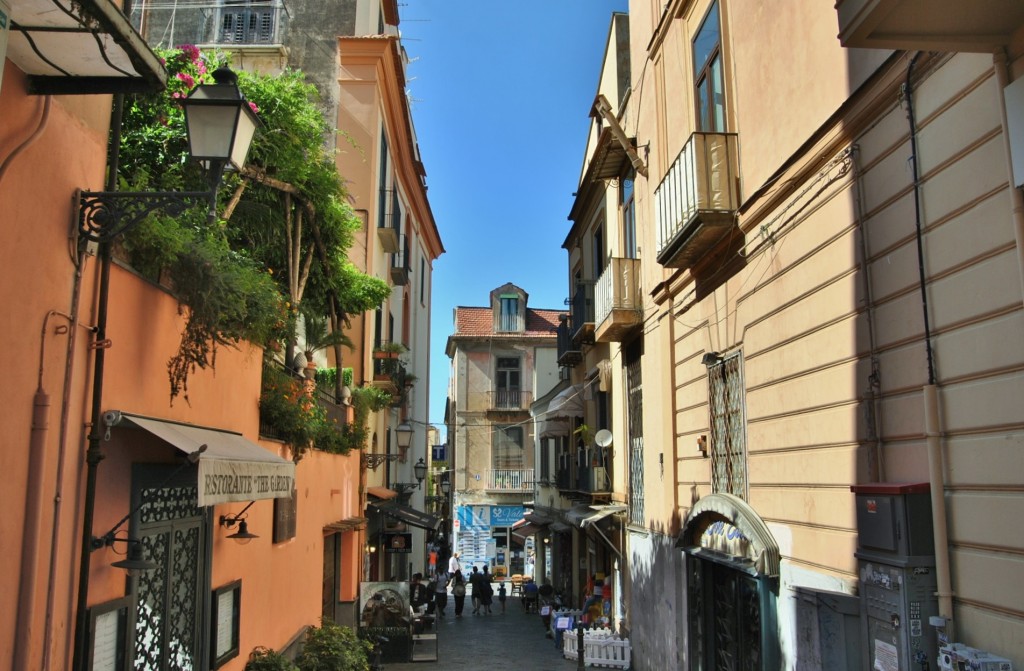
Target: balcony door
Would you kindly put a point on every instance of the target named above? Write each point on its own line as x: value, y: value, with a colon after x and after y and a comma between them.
x: 507, y: 384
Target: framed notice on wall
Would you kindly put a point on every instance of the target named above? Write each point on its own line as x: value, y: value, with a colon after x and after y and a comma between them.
x: 224, y: 614
x: 108, y: 636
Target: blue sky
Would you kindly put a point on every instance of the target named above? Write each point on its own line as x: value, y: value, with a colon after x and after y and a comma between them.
x: 501, y: 94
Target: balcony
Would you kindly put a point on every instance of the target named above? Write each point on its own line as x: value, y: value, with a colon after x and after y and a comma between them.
x: 618, y: 306
x: 231, y: 26
x: 582, y: 312
x: 695, y: 205
x: 390, y: 222
x: 515, y: 480
x: 509, y: 400
x: 400, y: 266
x: 569, y: 353
x: 929, y: 25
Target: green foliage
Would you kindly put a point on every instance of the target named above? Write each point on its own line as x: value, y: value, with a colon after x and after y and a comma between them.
x: 331, y: 647
x: 265, y: 659
x: 289, y: 413
x: 230, y: 277
x: 369, y: 399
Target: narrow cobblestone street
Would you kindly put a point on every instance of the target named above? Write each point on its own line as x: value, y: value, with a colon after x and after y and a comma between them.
x: 477, y: 642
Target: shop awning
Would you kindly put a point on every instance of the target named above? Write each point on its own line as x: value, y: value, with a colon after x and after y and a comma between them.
x: 525, y: 530
x: 536, y: 518
x: 553, y: 427
x: 405, y: 514
x: 601, y: 512
x: 347, y: 524
x: 231, y: 467
x: 382, y: 493
x: 568, y: 403
x: 81, y: 46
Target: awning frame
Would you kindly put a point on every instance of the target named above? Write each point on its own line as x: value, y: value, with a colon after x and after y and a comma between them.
x: 405, y: 514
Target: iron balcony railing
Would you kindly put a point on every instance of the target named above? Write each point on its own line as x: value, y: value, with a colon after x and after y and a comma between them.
x: 697, y: 199
x: 510, y: 479
x: 390, y: 222
x: 400, y: 265
x: 165, y: 23
x: 582, y: 308
x: 618, y: 290
x: 510, y: 399
x: 569, y: 353
x: 510, y: 323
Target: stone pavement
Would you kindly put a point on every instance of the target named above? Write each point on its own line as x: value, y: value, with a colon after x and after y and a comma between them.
x: 486, y: 642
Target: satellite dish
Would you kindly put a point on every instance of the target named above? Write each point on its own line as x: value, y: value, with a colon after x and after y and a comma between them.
x: 603, y: 438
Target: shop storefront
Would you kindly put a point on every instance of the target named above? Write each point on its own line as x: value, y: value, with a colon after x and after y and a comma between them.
x: 732, y: 569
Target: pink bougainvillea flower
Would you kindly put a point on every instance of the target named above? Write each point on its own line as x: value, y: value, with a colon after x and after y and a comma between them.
x: 253, y: 107
x: 186, y: 78
x: 190, y: 50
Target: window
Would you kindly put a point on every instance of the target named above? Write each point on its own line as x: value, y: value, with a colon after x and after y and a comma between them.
x: 506, y: 383
x: 629, y: 250
x: 707, y: 74
x: 508, y: 315
x: 423, y: 281
x: 508, y: 448
x: 635, y: 411
x: 545, y: 459
x: 598, y: 251
x: 382, y: 202
x: 728, y: 439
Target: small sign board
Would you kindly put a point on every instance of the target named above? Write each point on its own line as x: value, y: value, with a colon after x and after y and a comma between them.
x: 564, y: 622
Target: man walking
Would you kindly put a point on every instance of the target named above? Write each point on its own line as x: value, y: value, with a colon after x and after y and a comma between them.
x: 474, y: 582
x: 453, y: 564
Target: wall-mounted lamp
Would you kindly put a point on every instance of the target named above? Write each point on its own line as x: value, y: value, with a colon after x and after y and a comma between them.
x: 420, y: 471
x: 134, y: 559
x: 220, y: 127
x: 711, y: 358
x: 404, y: 434
x: 242, y: 536
x: 446, y: 486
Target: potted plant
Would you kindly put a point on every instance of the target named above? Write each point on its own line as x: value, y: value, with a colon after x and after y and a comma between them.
x: 265, y: 659
x: 389, y: 350
x: 331, y: 647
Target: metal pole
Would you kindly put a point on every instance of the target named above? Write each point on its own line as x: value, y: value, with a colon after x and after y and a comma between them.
x: 580, y: 662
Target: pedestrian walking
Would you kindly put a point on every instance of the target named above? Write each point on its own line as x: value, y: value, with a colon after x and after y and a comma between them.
x: 454, y: 566
x: 501, y: 596
x: 474, y: 583
x: 459, y: 593
x: 486, y: 591
x: 441, y: 592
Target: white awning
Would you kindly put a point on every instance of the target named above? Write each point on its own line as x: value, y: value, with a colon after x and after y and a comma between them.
x: 568, y: 403
x: 601, y: 512
x: 553, y: 427
x: 231, y: 467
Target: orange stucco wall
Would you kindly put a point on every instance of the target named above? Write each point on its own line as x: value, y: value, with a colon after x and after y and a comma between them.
x: 37, y: 186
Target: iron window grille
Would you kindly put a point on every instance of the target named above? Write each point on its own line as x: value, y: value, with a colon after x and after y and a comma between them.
x: 634, y: 404
x: 728, y: 427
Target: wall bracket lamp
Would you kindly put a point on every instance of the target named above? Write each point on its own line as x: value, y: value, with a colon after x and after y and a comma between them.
x: 220, y: 127
x: 242, y: 536
x: 711, y: 358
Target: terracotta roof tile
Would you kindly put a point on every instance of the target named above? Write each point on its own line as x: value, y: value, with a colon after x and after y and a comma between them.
x: 475, y: 321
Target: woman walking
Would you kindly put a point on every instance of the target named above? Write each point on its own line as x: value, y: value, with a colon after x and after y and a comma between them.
x: 459, y: 593
x: 486, y: 591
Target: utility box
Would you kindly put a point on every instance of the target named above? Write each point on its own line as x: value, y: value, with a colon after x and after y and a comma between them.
x: 896, y: 565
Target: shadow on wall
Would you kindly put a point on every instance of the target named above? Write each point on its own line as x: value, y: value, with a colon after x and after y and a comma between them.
x: 656, y: 607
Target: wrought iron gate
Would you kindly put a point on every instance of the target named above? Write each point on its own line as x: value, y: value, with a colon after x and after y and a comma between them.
x: 725, y: 618
x: 170, y: 611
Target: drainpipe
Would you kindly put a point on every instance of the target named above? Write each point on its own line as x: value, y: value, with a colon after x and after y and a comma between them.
x: 93, y: 454
x: 1002, y: 69
x: 933, y: 425
x: 31, y: 525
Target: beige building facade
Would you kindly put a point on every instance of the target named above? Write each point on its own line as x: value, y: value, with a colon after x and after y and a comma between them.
x: 828, y: 235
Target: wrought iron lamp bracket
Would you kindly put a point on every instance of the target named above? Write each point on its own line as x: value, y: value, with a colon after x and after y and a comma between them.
x: 372, y: 461
x: 104, y: 215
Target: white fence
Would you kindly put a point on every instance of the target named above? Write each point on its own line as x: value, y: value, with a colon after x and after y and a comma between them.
x: 601, y: 647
